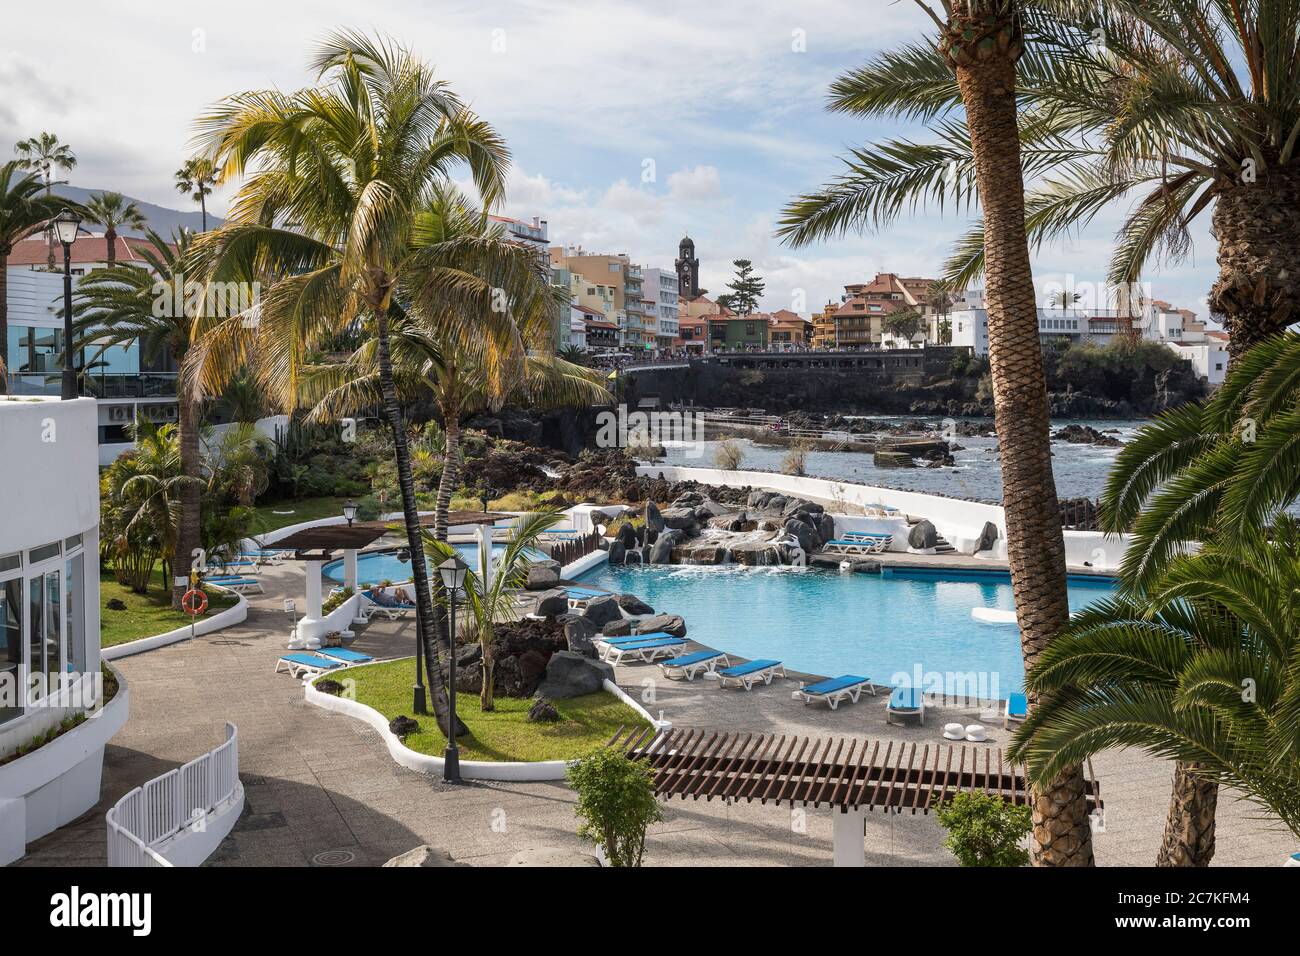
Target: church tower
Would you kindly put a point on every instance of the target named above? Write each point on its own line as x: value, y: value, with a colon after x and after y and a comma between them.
x: 688, y: 269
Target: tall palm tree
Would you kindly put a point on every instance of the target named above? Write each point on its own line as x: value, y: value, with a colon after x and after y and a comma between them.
x: 1182, y: 106
x: 46, y: 154
x: 197, y: 178
x: 142, y: 491
x: 1220, y: 470
x: 122, y: 306
x: 1201, y: 669
x: 24, y: 211
x: 980, y: 43
x: 490, y: 588
x: 113, y: 212
x: 337, y: 175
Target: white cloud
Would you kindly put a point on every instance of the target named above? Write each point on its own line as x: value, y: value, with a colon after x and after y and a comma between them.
x: 700, y: 184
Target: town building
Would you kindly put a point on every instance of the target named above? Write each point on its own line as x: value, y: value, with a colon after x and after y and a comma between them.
x: 623, y: 278
x: 661, y: 287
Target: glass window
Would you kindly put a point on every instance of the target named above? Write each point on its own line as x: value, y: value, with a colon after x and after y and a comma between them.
x: 11, y: 562
x: 71, y: 544
x: 43, y: 552
x: 35, y: 628
x: 11, y: 648
x: 76, y: 614
x: 53, y: 629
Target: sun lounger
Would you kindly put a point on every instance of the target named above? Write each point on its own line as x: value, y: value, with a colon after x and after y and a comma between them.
x: 262, y: 557
x: 310, y: 664
x: 905, y: 702
x: 393, y: 611
x: 690, y: 665
x: 632, y: 638
x: 581, y: 597
x: 645, y: 651
x: 835, y: 690
x: 238, y: 585
x: 1017, y: 709
x: 747, y: 675
x: 859, y: 542
x: 232, y: 563
x: 345, y: 655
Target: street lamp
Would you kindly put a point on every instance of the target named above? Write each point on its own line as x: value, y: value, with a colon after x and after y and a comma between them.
x: 452, y: 572
x: 66, y: 224
x: 350, y: 511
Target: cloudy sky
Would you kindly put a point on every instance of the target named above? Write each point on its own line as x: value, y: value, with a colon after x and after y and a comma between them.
x: 630, y: 123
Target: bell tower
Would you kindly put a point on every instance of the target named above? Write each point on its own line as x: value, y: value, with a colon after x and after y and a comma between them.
x: 688, y: 269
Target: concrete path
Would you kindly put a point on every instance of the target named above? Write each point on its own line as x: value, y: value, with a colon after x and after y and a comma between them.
x: 321, y: 789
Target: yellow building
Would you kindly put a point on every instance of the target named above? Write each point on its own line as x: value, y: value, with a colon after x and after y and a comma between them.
x: 621, y: 277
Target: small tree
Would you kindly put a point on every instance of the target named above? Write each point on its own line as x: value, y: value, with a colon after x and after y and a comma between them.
x: 729, y: 455
x: 746, y: 289
x: 984, y: 830
x: 616, y: 804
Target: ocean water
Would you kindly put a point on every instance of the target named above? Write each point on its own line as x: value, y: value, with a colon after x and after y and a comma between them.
x: 1080, y: 470
x: 829, y: 623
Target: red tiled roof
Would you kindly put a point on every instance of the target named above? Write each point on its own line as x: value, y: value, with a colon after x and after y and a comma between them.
x: 1218, y: 336
x: 589, y: 311
x: 35, y: 252
x: 599, y: 325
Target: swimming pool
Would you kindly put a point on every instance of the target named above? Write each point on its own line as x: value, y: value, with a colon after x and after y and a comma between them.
x: 385, y: 566
x: 824, y: 622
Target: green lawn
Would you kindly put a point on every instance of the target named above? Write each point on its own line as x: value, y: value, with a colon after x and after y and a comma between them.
x: 503, y: 734
x: 307, y: 509
x: 146, y: 614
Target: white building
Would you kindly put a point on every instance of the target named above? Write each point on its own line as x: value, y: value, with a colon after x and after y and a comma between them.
x: 1209, y: 357
x: 661, y: 289
x: 49, y: 618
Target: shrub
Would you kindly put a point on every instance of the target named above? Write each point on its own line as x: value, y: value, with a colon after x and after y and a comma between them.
x: 335, y: 600
x: 796, y: 458
x: 984, y: 830
x: 616, y: 804
x: 729, y: 455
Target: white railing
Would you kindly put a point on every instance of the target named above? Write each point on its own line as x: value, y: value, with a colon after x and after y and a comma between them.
x: 166, y: 805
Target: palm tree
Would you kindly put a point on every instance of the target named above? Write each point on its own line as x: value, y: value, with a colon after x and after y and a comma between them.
x: 980, y: 43
x: 491, y: 588
x: 1185, y: 105
x: 196, y: 179
x: 24, y: 211
x: 45, y: 154
x: 1201, y: 670
x: 113, y: 211
x: 122, y: 306
x: 1220, y: 470
x: 142, y: 491
x: 338, y: 175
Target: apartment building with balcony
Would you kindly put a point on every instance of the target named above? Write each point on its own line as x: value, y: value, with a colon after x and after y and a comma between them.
x: 619, y: 274
x: 661, y: 288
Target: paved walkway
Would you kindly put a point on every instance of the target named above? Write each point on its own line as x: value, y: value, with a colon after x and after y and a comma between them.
x: 322, y: 790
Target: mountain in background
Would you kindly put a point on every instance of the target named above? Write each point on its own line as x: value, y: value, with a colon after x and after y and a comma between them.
x: 161, y: 220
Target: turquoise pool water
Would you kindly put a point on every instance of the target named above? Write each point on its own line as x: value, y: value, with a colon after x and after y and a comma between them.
x: 824, y: 622
x: 373, y: 568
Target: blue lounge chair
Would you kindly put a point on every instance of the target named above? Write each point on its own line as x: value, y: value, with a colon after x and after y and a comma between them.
x: 581, y: 597
x: 632, y: 638
x: 747, y: 675
x: 645, y: 651
x: 345, y: 655
x: 1017, y: 709
x: 309, y: 664
x: 905, y: 702
x: 384, y: 605
x: 835, y: 690
x: 690, y: 665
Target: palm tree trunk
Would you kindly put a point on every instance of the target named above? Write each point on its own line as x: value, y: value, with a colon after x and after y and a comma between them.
x: 188, y: 535
x: 1189, y: 828
x: 203, y: 208
x: 486, y: 695
x: 450, y: 472
x: 1035, y: 547
x: 426, y: 642
x: 110, y: 240
x: 1259, y: 256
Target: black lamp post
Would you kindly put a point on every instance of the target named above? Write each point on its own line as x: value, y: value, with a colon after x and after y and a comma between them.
x: 453, y: 572
x: 350, y: 511
x: 66, y: 224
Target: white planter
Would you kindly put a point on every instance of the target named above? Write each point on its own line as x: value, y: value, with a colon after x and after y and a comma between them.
x: 58, y: 782
x: 516, y: 771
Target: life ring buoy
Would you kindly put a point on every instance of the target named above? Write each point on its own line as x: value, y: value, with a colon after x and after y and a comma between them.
x: 194, y: 601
